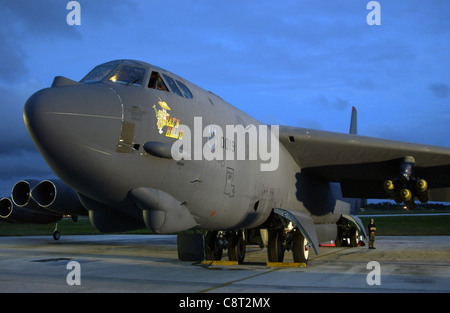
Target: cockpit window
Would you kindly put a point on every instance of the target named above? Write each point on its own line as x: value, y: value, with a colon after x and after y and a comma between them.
x: 177, y: 87
x: 156, y: 82
x: 173, y: 86
x: 186, y: 91
x: 98, y: 73
x: 128, y: 75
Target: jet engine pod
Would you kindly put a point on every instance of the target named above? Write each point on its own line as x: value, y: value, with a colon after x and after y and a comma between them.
x: 161, y: 211
x: 15, y: 214
x: 21, y: 192
x: 56, y: 196
x: 21, y: 196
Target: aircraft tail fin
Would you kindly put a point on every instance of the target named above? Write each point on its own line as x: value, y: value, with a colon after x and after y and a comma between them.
x: 353, y: 123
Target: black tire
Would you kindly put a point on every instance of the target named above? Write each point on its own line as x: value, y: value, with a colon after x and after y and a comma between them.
x: 275, y: 251
x: 56, y: 235
x: 300, y: 248
x: 236, y: 247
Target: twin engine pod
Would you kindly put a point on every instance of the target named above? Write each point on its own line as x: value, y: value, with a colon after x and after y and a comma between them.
x: 40, y: 202
x: 12, y: 213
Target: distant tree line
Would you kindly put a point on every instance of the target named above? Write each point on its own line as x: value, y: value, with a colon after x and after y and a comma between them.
x: 419, y: 206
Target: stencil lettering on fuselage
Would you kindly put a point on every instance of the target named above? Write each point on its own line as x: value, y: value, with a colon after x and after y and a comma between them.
x: 229, y: 187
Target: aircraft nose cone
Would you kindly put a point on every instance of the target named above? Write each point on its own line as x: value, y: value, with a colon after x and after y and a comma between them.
x: 65, y: 122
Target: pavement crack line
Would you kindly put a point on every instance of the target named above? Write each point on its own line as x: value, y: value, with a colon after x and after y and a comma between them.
x: 237, y: 280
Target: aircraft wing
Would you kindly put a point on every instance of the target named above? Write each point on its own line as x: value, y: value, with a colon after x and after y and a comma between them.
x: 362, y: 164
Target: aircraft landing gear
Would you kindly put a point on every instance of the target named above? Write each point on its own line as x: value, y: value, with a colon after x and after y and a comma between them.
x: 236, y: 246
x: 288, y: 239
x: 276, y: 245
x: 300, y: 247
x: 214, y: 243
x: 348, y: 235
x: 217, y: 241
x: 56, y: 233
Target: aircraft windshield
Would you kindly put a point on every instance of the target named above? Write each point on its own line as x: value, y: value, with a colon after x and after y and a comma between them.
x: 128, y: 75
x: 98, y: 73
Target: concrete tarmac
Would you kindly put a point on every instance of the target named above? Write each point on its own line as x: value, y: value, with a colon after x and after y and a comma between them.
x: 149, y: 263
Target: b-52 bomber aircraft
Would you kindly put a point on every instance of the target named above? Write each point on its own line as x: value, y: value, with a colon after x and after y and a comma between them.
x: 143, y: 147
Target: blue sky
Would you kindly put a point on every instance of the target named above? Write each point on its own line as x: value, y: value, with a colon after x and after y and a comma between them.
x: 298, y: 63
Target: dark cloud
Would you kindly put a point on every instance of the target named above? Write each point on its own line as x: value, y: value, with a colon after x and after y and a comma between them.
x: 37, y: 18
x: 19, y: 157
x: 26, y: 24
x: 14, y: 138
x: 337, y: 103
x: 21, y: 166
x: 440, y: 90
x: 29, y: 164
x: 12, y: 65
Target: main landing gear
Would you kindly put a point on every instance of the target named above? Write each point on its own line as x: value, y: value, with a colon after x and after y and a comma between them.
x: 217, y: 241
x: 347, y: 234
x: 288, y: 239
x: 279, y: 241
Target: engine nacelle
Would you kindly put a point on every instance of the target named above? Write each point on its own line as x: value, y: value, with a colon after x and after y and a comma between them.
x: 21, y: 197
x: 56, y: 196
x: 15, y: 214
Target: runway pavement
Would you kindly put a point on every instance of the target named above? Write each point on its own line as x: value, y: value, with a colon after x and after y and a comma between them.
x: 149, y: 263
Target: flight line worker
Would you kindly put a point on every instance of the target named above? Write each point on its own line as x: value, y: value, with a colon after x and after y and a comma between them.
x: 372, y: 230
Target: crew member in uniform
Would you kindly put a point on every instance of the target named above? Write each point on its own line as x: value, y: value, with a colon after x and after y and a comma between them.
x: 372, y: 230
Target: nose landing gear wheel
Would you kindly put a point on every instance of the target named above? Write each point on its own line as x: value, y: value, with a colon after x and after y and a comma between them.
x: 56, y: 233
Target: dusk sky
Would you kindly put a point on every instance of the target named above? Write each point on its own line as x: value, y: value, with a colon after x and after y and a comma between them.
x: 290, y: 62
